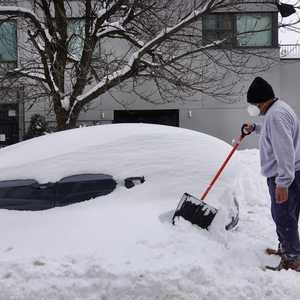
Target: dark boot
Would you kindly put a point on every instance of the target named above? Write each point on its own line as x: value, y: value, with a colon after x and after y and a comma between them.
x: 290, y: 264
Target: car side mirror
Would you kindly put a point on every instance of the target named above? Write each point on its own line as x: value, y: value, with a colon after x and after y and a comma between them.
x: 132, y: 181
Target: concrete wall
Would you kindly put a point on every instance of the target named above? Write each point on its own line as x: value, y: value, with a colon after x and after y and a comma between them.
x: 201, y: 113
x: 289, y: 83
x: 212, y: 117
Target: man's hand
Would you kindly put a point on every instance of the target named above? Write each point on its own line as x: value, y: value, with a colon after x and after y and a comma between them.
x: 281, y: 194
x: 249, y: 127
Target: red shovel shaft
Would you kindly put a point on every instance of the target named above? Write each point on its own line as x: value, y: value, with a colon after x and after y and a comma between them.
x: 222, y: 167
x: 197, y: 211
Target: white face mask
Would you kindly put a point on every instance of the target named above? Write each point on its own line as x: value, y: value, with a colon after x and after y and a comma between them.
x: 253, y: 110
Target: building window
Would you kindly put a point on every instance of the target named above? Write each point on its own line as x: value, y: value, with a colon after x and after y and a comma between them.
x: 76, y: 37
x: 218, y: 27
x: 8, y: 42
x: 254, y: 30
x: 240, y: 30
x: 76, y: 34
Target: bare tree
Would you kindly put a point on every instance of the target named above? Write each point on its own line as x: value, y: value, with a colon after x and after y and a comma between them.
x: 123, y: 45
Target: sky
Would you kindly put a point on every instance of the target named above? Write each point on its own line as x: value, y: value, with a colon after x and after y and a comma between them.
x: 123, y: 245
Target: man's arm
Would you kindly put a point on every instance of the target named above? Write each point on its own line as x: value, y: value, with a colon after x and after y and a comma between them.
x: 280, y: 127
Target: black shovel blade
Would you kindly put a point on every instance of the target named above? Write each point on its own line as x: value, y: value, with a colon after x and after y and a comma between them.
x: 195, y: 211
x: 202, y: 214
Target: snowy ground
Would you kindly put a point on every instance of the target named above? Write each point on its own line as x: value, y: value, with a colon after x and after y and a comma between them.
x: 122, y: 246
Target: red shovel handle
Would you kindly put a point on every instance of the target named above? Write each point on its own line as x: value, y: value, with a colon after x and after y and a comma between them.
x: 243, y: 134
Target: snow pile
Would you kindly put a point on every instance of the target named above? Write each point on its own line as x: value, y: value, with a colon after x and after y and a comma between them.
x: 122, y: 246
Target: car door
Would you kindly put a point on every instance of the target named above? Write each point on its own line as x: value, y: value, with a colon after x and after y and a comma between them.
x: 83, y: 187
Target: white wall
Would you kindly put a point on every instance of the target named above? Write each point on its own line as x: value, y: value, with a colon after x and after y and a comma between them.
x: 289, y: 83
x: 207, y: 115
x: 214, y: 118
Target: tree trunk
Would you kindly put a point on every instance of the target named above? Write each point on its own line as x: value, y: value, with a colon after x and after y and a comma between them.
x: 64, y: 120
x: 61, y: 119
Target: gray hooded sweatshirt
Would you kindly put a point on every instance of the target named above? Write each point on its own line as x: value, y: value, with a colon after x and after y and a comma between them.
x: 279, y: 143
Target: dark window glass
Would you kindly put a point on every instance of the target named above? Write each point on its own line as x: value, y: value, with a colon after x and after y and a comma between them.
x: 218, y: 27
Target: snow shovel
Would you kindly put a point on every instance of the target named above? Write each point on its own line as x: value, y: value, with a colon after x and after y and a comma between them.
x: 196, y: 210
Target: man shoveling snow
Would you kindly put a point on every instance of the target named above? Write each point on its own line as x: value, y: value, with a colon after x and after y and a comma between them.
x: 279, y: 147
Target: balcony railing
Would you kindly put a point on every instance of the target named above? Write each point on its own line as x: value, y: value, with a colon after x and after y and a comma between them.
x: 290, y: 51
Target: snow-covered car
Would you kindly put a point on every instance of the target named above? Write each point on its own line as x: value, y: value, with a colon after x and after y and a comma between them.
x: 77, y: 165
x: 122, y: 245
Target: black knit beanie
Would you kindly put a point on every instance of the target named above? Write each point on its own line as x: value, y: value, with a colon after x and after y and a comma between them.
x: 259, y: 91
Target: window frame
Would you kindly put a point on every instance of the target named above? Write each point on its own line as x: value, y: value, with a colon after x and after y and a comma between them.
x: 234, y: 40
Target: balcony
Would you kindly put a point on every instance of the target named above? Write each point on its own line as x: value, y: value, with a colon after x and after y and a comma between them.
x: 290, y: 51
